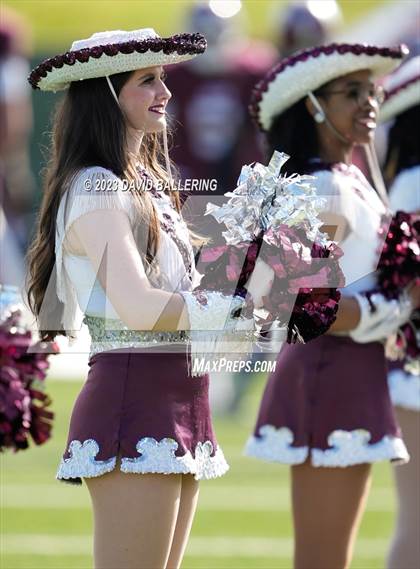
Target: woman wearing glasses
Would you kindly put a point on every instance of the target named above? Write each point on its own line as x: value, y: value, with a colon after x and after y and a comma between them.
x: 326, y: 410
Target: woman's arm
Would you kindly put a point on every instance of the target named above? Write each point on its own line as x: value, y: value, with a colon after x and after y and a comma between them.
x: 348, y: 315
x: 335, y: 225
x: 378, y: 317
x: 108, y: 242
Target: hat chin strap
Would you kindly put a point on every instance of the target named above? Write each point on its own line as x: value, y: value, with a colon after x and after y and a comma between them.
x: 375, y: 172
x: 321, y: 117
x: 111, y: 87
x: 165, y: 135
x: 369, y: 149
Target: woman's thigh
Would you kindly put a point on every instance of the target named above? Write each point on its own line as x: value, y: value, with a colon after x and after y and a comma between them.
x: 327, y: 508
x: 408, y: 475
x: 188, y: 505
x: 135, y: 517
x: 405, y: 548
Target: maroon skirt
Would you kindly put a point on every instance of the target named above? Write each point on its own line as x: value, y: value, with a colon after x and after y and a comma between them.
x: 145, y: 407
x: 328, y: 400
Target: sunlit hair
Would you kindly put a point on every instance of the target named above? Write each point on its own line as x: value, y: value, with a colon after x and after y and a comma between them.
x: 89, y: 130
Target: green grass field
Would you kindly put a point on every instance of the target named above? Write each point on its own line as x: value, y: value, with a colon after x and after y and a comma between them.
x: 243, y: 520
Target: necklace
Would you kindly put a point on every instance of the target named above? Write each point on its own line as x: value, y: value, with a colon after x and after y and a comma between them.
x: 168, y: 223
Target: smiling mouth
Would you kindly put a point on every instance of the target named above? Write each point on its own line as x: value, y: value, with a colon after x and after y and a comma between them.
x: 158, y: 109
x: 367, y: 122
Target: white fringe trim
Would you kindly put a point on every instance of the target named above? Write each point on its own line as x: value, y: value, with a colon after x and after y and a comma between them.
x: 404, y: 389
x: 157, y: 457
x: 348, y: 448
x: 214, y: 331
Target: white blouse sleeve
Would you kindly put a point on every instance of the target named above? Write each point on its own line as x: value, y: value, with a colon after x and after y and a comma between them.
x: 93, y: 189
x: 359, y: 206
x: 350, y: 197
x: 339, y: 198
x: 90, y: 189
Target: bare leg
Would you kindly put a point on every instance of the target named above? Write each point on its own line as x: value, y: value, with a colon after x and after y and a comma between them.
x: 188, y: 505
x: 405, y: 548
x: 327, y: 507
x: 134, y: 518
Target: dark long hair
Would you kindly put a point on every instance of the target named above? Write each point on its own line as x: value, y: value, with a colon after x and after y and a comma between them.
x: 88, y: 130
x: 403, y: 144
x: 294, y: 132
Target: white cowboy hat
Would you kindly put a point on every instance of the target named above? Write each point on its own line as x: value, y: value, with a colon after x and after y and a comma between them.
x: 402, y: 89
x: 107, y: 53
x: 307, y: 70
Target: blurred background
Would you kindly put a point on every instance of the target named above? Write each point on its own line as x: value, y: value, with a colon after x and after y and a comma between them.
x: 244, y: 518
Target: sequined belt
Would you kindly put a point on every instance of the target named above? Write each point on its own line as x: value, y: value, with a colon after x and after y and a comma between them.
x: 111, y: 334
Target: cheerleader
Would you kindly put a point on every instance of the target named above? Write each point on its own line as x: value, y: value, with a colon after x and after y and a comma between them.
x: 326, y: 409
x: 402, y: 172
x: 112, y: 251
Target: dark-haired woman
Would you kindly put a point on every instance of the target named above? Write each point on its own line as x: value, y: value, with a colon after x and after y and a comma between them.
x: 402, y: 172
x: 326, y: 409
x: 112, y: 250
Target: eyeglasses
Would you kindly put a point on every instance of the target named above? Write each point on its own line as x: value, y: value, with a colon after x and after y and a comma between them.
x: 360, y: 94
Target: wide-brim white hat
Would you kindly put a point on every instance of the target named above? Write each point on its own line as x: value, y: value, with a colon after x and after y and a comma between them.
x: 107, y: 53
x: 307, y: 70
x: 402, y: 90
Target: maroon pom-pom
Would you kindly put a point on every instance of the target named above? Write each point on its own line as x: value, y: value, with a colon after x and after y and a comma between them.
x: 399, y: 267
x: 23, y: 405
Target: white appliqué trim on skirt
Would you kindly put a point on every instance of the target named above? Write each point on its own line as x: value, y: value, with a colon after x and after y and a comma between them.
x: 404, y: 389
x: 157, y: 457
x: 347, y: 448
x: 275, y: 445
x: 352, y: 447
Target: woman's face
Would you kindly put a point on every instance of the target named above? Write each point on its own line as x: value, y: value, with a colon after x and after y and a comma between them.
x: 350, y: 104
x: 143, y: 99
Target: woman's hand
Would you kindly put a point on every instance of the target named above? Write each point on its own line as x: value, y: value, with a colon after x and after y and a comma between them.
x: 260, y: 282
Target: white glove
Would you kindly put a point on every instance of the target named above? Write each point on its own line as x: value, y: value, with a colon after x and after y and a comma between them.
x: 377, y: 325
x: 212, y: 311
x: 215, y: 328
x: 260, y: 282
